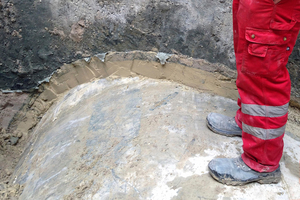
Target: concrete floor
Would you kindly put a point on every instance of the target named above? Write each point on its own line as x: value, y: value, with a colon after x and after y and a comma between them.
x: 138, y: 138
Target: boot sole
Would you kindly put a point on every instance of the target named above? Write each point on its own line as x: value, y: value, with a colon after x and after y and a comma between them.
x: 269, y: 180
x: 220, y: 133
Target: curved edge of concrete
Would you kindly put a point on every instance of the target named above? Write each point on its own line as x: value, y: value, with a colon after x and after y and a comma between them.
x: 196, y: 73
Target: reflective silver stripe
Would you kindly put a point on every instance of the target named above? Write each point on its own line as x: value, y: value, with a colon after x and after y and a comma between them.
x: 265, y: 111
x: 264, y: 134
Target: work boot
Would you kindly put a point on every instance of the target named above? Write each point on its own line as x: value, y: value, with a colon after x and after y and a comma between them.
x: 223, y: 125
x: 233, y: 171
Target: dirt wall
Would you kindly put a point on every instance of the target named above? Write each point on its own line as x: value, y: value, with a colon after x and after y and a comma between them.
x: 39, y: 36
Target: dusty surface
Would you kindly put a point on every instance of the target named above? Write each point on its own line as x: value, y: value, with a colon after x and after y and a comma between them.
x: 64, y: 31
x: 138, y: 138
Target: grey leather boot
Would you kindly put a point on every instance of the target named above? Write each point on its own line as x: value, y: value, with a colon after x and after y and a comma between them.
x: 233, y: 171
x: 223, y: 125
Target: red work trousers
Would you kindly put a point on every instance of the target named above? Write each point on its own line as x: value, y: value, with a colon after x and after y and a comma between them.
x: 264, y: 36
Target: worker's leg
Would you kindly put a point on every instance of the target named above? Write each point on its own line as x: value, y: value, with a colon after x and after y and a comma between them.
x: 267, y: 35
x: 264, y: 35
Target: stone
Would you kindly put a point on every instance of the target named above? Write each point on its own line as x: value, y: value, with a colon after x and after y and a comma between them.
x: 44, y: 54
x: 19, y: 134
x: 77, y: 31
x: 8, y: 172
x: 163, y: 57
x: 13, y: 140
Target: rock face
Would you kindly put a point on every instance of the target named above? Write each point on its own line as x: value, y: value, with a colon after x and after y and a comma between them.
x: 39, y: 36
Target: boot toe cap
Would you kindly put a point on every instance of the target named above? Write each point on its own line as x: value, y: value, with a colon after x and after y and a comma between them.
x: 223, y: 125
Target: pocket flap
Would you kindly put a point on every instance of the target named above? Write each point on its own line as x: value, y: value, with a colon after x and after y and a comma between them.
x: 260, y: 36
x: 258, y: 50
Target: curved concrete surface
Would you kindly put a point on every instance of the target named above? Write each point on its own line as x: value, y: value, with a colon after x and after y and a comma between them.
x: 133, y: 138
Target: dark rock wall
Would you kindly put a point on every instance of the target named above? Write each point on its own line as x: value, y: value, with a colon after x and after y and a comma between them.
x: 38, y: 36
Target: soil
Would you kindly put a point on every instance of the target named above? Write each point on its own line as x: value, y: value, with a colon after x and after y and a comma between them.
x: 11, y: 148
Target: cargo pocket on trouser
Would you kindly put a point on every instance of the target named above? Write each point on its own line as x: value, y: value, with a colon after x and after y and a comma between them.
x: 265, y: 53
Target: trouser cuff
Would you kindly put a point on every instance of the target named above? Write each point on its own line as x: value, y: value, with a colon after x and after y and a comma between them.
x: 256, y: 166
